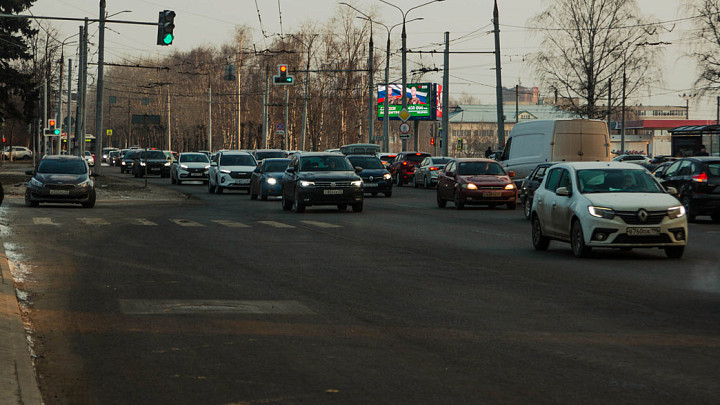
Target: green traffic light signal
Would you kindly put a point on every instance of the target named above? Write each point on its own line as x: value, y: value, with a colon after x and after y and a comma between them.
x: 168, y: 39
x: 166, y: 25
x: 56, y: 131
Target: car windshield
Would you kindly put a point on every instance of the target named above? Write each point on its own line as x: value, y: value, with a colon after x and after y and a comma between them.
x: 325, y: 163
x: 275, y: 165
x: 269, y: 154
x: 440, y: 161
x: 617, y: 181
x: 153, y: 154
x: 366, y: 162
x: 479, y: 168
x: 195, y: 157
x: 237, y: 160
x: 62, y: 167
x: 415, y: 158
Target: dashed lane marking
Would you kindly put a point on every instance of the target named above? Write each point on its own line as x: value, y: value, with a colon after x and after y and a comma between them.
x: 186, y: 222
x: 230, y: 224
x: 44, y: 221
x: 141, y: 221
x: 177, y: 307
x: 94, y: 221
x: 321, y: 224
x: 276, y: 224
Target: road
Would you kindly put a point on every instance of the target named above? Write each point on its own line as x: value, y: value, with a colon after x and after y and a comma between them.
x: 222, y: 300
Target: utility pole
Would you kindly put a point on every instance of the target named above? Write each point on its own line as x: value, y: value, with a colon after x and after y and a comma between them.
x: 209, y: 116
x: 169, y: 139
x: 370, y: 89
x: 445, y: 139
x: 498, y: 80
x: 78, y: 102
x: 265, y: 111
x: 69, y: 101
x: 287, y: 127
x: 237, y: 97
x: 100, y: 84
x: 83, y: 90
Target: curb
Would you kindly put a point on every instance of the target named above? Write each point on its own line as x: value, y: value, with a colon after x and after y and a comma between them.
x: 18, y: 384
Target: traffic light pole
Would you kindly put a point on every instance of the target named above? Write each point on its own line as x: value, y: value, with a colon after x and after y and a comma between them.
x: 100, y: 90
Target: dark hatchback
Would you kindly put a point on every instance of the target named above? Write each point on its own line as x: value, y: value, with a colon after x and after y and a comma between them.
x: 697, y: 181
x: 127, y: 159
x: 61, y: 179
x: 402, y: 168
x: 321, y: 178
x: 376, y: 179
x: 526, y: 190
x: 151, y: 162
x: 265, y: 180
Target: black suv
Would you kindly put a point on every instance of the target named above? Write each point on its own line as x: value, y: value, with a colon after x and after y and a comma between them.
x: 376, y: 179
x: 127, y: 159
x: 321, y: 178
x: 527, y: 188
x: 697, y: 181
x: 151, y: 162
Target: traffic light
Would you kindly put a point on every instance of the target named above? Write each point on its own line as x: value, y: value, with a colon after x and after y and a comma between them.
x: 53, y: 129
x: 282, y: 77
x: 166, y: 24
x: 432, y: 141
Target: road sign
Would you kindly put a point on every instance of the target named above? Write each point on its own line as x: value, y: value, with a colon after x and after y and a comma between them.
x: 404, y: 114
x: 280, y: 126
x: 109, y: 132
x: 404, y: 128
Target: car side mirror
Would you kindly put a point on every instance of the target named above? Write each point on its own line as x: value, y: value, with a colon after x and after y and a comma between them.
x: 358, y: 169
x: 511, y: 173
x: 29, y: 172
x: 290, y: 169
x: 672, y: 190
x: 562, y: 191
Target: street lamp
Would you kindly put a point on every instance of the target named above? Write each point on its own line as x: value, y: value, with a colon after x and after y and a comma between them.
x: 404, y: 48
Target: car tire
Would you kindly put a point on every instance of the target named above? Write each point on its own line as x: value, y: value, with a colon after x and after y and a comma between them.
x: 440, y: 202
x: 511, y: 206
x: 577, y: 240
x: 263, y: 197
x: 211, y: 189
x: 398, y: 180
x: 172, y: 179
x: 539, y: 241
x: 388, y: 194
x: 458, y: 204
x: 178, y: 181
x: 374, y: 193
x: 427, y: 183
x: 674, y: 252
x: 715, y: 216
x: 357, y: 207
x: 686, y: 203
x: 298, y: 206
x: 253, y: 196
x: 342, y: 207
x: 527, y: 207
x: 415, y: 183
x: 91, y: 200
x: 286, y: 204
x: 28, y: 201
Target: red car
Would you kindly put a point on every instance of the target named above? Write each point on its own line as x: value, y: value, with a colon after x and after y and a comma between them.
x: 402, y: 168
x: 478, y: 182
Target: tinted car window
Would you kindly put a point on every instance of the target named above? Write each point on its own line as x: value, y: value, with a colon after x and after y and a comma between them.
x: 366, y: 162
x: 438, y: 161
x: 673, y: 169
x: 617, y: 181
x: 553, y: 179
x: 565, y: 180
x: 237, y: 160
x: 269, y: 154
x: 199, y: 157
x: 713, y: 169
x: 415, y: 158
x: 479, y: 168
x: 62, y: 167
x: 275, y: 166
x: 153, y: 154
x: 325, y: 163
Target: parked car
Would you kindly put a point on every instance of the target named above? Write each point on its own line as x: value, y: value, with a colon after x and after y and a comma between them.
x: 265, y: 180
x: 610, y: 204
x: 90, y: 158
x: 376, y: 179
x: 190, y: 166
x: 230, y: 169
x: 261, y: 154
x: 61, y: 179
x: 127, y: 160
x: 632, y: 159
x: 476, y: 181
x: 151, y: 162
x: 403, y: 167
x: 321, y: 178
x: 17, y: 152
x: 526, y: 192
x: 697, y: 183
x: 427, y: 172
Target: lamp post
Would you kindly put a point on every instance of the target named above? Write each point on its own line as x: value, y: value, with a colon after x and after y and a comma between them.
x: 404, y: 49
x: 687, y: 98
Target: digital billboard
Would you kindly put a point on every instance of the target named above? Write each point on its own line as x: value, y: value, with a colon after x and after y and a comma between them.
x: 421, y: 101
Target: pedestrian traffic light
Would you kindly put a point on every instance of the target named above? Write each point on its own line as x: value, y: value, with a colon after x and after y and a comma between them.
x: 282, y: 77
x: 459, y: 145
x: 166, y: 24
x: 432, y: 141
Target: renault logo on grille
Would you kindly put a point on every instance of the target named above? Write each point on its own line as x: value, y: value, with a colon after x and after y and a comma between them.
x: 371, y: 178
x: 332, y: 184
x: 642, y: 215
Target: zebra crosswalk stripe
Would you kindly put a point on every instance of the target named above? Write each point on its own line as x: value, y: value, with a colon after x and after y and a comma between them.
x: 275, y: 224
x: 186, y: 222
x: 44, y: 221
x: 230, y: 224
x: 94, y: 221
x: 141, y: 221
x: 321, y: 224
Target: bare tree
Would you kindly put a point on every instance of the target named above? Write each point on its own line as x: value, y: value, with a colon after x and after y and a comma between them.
x: 590, y: 47
x: 706, y: 42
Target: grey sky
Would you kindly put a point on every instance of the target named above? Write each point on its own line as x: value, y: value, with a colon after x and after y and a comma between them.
x: 211, y: 21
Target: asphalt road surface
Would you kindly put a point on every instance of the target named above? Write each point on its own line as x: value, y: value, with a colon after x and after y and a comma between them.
x: 222, y: 300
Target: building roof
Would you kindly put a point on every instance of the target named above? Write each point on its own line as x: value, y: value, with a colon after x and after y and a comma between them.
x: 695, y: 129
x: 488, y: 113
x: 661, y: 124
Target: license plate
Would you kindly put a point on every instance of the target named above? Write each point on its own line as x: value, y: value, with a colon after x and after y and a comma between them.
x: 332, y: 191
x: 492, y: 194
x: 370, y: 185
x: 60, y: 192
x: 243, y: 181
x: 643, y: 231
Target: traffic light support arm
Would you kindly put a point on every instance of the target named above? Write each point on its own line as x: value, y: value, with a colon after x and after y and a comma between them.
x: 37, y: 17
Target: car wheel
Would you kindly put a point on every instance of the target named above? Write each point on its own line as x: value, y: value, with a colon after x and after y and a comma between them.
x: 218, y: 187
x: 178, y: 181
x: 527, y: 208
x: 577, y: 240
x: 263, y: 197
x: 458, y: 204
x: 253, y: 196
x: 686, y: 203
x: 298, y: 206
x: 211, y: 189
x: 427, y: 183
x: 357, y: 207
x: 172, y: 179
x: 511, y: 206
x: 342, y: 207
x: 398, y: 180
x: 715, y: 216
x: 91, y: 200
x: 674, y: 252
x: 374, y: 193
x: 388, y: 194
x: 540, y: 241
x: 286, y: 205
x: 415, y: 183
x: 28, y: 201
x: 441, y: 203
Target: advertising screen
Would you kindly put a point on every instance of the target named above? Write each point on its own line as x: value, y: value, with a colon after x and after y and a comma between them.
x: 420, y: 101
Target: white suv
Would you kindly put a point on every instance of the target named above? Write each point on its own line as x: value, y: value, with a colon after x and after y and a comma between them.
x: 230, y: 169
x: 18, y: 152
x: 607, y: 204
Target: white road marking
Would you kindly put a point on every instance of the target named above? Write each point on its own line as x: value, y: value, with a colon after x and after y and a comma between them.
x: 185, y: 222
x: 276, y: 224
x: 44, y: 221
x: 175, y: 307
x: 230, y: 224
x: 141, y: 221
x: 94, y: 221
x: 321, y: 224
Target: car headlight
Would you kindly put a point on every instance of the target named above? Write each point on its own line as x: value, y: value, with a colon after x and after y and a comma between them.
x: 35, y: 182
x: 387, y: 176
x: 226, y: 171
x: 601, y: 212
x: 168, y: 163
x: 676, y: 212
x: 271, y: 181
x: 356, y: 183
x: 469, y: 186
x: 510, y: 186
x: 207, y: 167
x: 142, y: 163
x: 305, y: 183
x: 183, y: 167
x: 122, y: 163
x: 86, y: 183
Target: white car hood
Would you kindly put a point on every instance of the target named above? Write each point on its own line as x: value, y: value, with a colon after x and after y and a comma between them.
x: 633, y: 201
x: 238, y: 168
x: 195, y: 165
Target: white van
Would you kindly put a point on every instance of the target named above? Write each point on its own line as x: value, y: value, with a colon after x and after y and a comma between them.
x: 574, y: 140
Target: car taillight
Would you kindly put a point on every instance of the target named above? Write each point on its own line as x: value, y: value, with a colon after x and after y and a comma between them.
x: 404, y: 163
x: 701, y: 178
x: 433, y: 168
